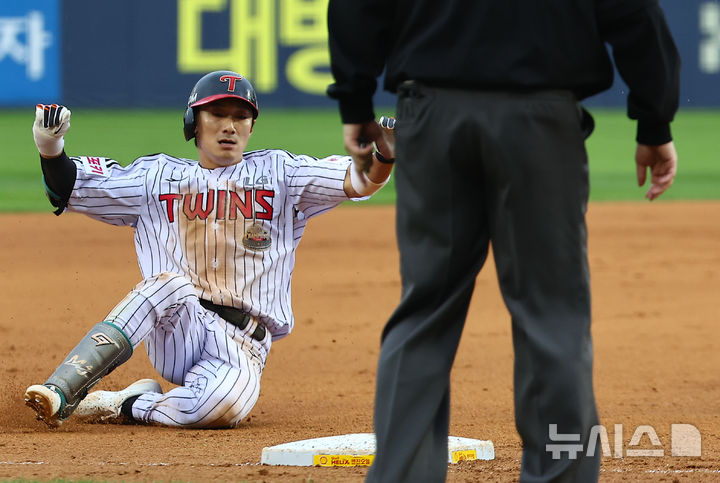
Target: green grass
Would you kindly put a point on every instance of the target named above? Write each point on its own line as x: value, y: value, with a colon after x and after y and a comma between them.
x: 611, y: 150
x: 127, y: 134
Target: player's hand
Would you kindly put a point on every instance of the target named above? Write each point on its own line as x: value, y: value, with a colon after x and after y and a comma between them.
x: 359, y: 139
x: 661, y: 161
x: 52, y: 121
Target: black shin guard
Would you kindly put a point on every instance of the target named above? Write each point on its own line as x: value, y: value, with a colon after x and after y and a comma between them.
x: 103, y: 349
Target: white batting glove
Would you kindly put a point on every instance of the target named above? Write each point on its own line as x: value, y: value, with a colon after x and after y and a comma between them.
x: 387, y: 127
x: 387, y: 123
x: 52, y: 121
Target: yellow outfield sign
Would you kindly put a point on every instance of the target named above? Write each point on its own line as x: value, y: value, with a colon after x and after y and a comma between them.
x: 343, y: 460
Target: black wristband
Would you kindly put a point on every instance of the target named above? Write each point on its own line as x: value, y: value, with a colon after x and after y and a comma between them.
x: 383, y: 159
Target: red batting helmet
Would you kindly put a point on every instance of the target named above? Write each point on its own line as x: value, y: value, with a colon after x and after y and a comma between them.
x: 217, y: 85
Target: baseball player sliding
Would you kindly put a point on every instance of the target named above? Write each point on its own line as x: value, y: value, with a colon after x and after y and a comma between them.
x: 215, y: 241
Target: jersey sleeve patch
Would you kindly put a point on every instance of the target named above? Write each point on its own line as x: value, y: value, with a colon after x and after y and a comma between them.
x: 333, y: 158
x: 96, y: 166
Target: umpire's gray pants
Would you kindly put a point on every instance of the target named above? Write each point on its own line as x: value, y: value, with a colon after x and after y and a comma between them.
x: 475, y: 167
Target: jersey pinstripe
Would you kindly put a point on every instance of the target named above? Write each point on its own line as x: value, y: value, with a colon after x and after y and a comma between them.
x: 191, y: 220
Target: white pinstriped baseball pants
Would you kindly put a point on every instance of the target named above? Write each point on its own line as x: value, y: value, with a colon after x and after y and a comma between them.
x: 216, y: 365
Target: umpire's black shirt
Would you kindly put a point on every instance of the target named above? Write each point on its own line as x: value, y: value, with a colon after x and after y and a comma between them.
x: 508, y: 45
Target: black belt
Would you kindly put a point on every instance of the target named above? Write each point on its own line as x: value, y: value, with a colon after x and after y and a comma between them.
x: 236, y: 317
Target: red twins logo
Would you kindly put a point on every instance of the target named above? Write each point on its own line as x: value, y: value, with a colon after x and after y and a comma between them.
x: 231, y: 79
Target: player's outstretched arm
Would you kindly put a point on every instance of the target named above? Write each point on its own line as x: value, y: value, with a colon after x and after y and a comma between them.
x: 367, y: 174
x: 51, y: 123
x: 661, y: 161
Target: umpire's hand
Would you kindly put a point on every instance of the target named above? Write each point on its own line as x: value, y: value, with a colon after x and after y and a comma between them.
x: 52, y: 121
x: 662, y: 162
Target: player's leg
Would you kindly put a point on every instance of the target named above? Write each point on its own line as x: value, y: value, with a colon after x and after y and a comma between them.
x: 221, y: 383
x: 152, y: 302
x: 540, y: 170
x: 103, y: 349
x: 216, y: 365
x: 161, y: 307
x: 215, y: 395
x: 443, y: 245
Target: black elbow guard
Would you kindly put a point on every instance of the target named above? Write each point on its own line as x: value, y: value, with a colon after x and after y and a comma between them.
x: 56, y: 200
x: 58, y: 178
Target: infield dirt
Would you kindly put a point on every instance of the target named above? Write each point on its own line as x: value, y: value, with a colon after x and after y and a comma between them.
x: 656, y: 279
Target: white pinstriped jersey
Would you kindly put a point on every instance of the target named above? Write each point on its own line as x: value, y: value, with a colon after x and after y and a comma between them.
x: 192, y: 220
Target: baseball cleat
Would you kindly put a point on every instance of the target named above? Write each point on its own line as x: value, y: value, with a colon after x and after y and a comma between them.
x: 101, y: 406
x: 46, y: 403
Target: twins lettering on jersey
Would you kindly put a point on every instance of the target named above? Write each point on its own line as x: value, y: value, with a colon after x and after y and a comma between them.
x: 223, y: 203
